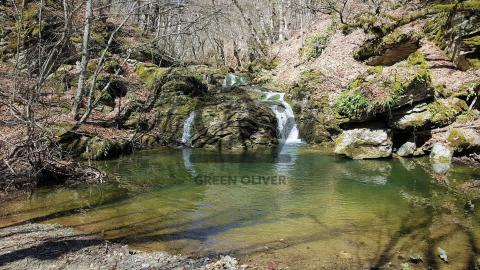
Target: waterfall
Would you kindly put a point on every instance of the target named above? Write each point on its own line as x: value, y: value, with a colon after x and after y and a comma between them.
x: 287, y: 127
x: 233, y: 80
x: 187, y: 129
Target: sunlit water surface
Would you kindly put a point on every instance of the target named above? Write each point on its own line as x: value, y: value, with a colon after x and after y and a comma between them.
x: 329, y: 213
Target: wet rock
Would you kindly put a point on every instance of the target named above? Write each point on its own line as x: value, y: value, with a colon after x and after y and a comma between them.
x: 234, y: 122
x: 407, y: 149
x: 314, y: 114
x: 441, y: 158
x: 364, y: 143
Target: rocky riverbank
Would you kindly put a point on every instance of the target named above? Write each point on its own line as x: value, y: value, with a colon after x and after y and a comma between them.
x: 42, y: 246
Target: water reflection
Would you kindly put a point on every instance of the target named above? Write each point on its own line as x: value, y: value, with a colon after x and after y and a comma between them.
x: 286, y: 159
x: 368, y: 211
x: 186, y: 154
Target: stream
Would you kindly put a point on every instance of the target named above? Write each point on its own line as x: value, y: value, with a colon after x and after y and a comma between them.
x: 300, y: 208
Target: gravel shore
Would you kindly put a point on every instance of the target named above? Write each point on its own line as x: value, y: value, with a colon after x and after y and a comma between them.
x: 44, y: 246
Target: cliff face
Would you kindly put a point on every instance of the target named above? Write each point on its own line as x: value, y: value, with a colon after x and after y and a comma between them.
x: 412, y: 74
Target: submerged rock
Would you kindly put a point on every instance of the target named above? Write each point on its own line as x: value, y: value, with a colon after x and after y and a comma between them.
x: 441, y: 158
x: 364, y: 143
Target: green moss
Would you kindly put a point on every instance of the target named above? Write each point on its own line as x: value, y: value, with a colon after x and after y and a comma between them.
x: 441, y: 113
x: 389, y: 90
x: 315, y: 44
x: 470, y: 5
x: 148, y: 140
x: 99, y: 38
x: 445, y: 111
x: 154, y: 76
x: 457, y: 139
x: 98, y: 149
x: 62, y: 80
x: 145, y: 70
x: 91, y: 66
x: 111, y: 66
x: 353, y: 105
x: 75, y: 38
x: 375, y: 70
x: 475, y: 41
x: 468, y: 116
x: 474, y: 63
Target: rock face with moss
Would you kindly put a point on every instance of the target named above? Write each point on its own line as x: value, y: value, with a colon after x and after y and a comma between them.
x: 314, y: 114
x: 388, y: 50
x: 234, y: 122
x: 455, y: 29
x: 428, y: 115
x: 227, y: 121
x: 364, y: 143
x: 464, y: 139
x: 378, y: 92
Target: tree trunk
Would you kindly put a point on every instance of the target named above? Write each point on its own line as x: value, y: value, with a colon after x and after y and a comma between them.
x: 83, y: 65
x: 253, y: 31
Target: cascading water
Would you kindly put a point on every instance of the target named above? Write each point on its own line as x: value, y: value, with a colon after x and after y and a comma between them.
x: 187, y: 129
x: 287, y: 127
x: 233, y: 80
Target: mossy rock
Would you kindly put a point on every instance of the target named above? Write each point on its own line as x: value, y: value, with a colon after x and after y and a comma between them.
x: 146, y: 70
x: 98, y: 149
x: 464, y: 139
x: 390, y: 49
x: 375, y: 93
x: 62, y: 79
x: 179, y: 80
x: 118, y: 86
x: 445, y: 111
x: 148, y: 53
x: 136, y: 121
x: 316, y: 44
x: 111, y: 66
x: 147, y: 140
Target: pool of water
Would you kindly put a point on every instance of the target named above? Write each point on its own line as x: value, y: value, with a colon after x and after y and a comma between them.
x: 300, y: 208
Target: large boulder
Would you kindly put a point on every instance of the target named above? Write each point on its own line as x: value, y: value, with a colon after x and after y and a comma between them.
x: 234, y: 122
x: 364, y: 143
x: 407, y: 149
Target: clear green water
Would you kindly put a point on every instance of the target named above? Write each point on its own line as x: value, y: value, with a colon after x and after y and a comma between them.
x: 331, y: 213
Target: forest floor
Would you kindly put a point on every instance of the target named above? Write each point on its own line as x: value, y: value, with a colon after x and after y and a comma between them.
x: 42, y: 246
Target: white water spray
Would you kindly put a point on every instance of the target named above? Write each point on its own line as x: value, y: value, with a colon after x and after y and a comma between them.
x: 287, y: 127
x: 233, y: 80
x: 187, y: 129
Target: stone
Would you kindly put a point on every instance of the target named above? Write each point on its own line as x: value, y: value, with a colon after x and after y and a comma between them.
x: 407, y: 149
x: 364, y: 143
x: 464, y: 139
x: 441, y: 158
x: 411, y: 117
x: 234, y: 122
